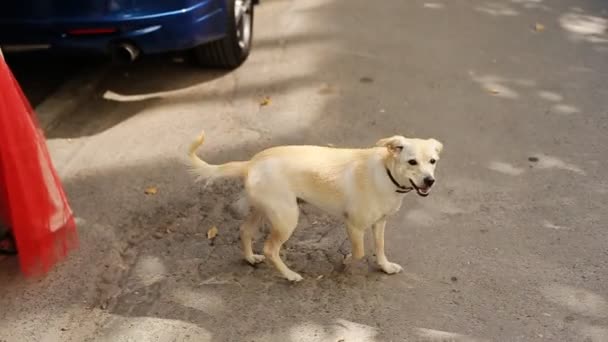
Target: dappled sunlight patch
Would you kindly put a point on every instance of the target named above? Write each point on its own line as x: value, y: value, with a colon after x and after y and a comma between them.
x: 548, y: 224
x: 548, y: 162
x: 149, y: 270
x: 505, y: 168
x: 311, y: 5
x: 532, y: 4
x: 565, y: 109
x: 500, y: 90
x: 341, y: 330
x: 495, y: 86
x: 550, y: 96
x: 150, y: 88
x: 438, y: 335
x: 217, y: 89
x: 112, y: 96
x: 577, y: 300
x: 577, y: 10
x: 127, y: 329
x: 434, y: 5
x: 527, y: 1
x: 497, y: 10
x: 286, y: 82
x: 598, y: 40
x: 583, y: 24
x: 582, y: 27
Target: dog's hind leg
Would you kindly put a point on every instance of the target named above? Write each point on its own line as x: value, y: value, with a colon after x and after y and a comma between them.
x: 283, y: 216
x: 356, y: 236
x: 357, y: 240
x: 248, y: 231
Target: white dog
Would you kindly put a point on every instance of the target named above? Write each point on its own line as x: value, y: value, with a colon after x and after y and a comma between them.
x: 362, y: 186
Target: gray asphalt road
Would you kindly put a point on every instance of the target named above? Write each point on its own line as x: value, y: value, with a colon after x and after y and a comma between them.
x: 511, y: 246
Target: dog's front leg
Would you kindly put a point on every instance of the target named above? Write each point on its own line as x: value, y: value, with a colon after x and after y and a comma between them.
x: 381, y: 259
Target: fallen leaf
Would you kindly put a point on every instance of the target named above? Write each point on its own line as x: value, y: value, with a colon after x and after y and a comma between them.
x: 539, y: 27
x: 265, y: 101
x: 326, y: 89
x: 494, y: 91
x: 319, y: 277
x: 151, y: 190
x: 212, y: 233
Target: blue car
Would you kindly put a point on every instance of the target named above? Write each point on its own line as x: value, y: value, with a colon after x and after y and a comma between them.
x: 218, y: 32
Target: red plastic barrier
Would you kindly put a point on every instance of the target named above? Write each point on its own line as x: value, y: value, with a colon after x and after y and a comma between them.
x: 32, y: 200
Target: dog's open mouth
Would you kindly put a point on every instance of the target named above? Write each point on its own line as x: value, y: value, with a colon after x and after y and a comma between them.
x: 422, y: 190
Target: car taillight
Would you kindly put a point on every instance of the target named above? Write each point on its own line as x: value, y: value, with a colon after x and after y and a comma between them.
x: 92, y: 31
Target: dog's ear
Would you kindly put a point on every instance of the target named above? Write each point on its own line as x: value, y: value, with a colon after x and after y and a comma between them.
x: 394, y: 144
x: 436, y: 145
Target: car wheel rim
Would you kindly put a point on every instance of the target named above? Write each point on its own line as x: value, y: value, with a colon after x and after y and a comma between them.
x: 242, y: 16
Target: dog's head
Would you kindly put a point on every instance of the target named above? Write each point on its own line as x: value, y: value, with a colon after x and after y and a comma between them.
x: 413, y: 161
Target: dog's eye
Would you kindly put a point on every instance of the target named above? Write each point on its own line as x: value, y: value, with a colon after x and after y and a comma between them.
x: 412, y: 162
x: 432, y: 161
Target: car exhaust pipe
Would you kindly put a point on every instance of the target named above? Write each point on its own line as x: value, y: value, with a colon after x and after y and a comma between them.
x: 125, y: 53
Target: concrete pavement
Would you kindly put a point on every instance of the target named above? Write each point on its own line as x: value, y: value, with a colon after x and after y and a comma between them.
x: 511, y: 245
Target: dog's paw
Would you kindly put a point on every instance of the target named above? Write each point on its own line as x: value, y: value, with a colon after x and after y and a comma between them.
x: 255, y: 259
x: 293, y: 277
x: 391, y: 268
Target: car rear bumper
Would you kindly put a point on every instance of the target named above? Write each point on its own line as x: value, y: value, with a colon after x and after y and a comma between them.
x: 151, y: 33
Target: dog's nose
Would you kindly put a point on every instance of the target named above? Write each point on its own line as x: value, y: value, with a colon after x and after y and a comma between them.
x: 429, y: 181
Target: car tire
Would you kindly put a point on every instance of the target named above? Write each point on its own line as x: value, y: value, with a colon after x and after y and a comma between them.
x: 232, y: 50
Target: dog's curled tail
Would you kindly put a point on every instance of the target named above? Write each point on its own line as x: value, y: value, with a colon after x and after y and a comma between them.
x: 206, y: 171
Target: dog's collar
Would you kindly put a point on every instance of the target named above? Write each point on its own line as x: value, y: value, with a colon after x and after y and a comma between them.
x: 401, y: 189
